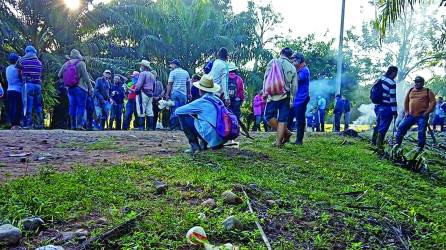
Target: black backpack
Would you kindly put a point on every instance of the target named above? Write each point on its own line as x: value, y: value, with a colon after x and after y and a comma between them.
x: 376, y: 93
x: 232, y: 87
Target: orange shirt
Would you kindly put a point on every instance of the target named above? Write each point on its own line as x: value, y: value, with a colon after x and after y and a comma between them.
x: 419, y: 102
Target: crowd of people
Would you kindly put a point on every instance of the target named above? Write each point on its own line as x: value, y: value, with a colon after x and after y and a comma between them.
x: 199, y: 104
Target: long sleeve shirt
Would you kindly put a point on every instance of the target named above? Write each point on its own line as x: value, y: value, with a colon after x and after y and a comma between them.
x: 146, y: 83
x: 81, y: 70
x: 102, y: 89
x: 419, y: 102
x: 389, y: 93
x: 206, y: 121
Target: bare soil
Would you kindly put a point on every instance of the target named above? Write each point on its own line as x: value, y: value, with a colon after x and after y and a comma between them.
x: 25, y: 152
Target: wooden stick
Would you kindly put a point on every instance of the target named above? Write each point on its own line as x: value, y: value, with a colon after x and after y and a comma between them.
x: 265, y: 239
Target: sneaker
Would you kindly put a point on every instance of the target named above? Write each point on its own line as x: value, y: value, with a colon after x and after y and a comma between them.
x: 194, y: 148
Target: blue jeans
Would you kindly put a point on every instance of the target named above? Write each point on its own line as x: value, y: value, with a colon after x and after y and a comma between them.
x: 77, y: 99
x: 15, y: 108
x: 322, y: 119
x: 384, y: 117
x: 116, y: 115
x: 102, y: 113
x: 130, y: 108
x: 299, y: 111
x: 260, y: 119
x: 346, y: 120
x: 180, y: 100
x: 33, y: 95
x: 407, y: 123
x: 235, y: 107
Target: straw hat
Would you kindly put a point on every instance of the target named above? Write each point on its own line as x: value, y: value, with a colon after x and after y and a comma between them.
x: 232, y: 66
x: 145, y: 63
x: 207, y: 84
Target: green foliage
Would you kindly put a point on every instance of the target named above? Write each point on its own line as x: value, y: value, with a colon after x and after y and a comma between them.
x: 312, y: 186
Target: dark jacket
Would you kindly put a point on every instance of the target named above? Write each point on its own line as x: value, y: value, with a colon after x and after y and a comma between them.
x: 118, y: 98
x: 339, y: 106
x: 347, y: 106
x: 102, y: 89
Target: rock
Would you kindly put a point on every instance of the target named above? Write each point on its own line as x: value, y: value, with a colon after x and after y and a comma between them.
x: 50, y: 247
x: 271, y: 203
x: 160, y: 187
x: 230, y: 198
x: 81, y: 232
x: 82, y: 238
x: 231, y: 223
x: 68, y: 236
x: 253, y: 186
x: 9, y: 235
x: 32, y: 223
x: 101, y: 221
x: 209, y: 203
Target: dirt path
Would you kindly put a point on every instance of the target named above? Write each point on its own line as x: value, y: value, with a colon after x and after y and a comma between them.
x: 26, y: 152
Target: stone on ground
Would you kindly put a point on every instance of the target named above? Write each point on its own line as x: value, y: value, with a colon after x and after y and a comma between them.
x: 209, y: 203
x: 50, y: 247
x: 9, y: 235
x: 32, y: 223
x: 231, y: 223
x: 230, y: 198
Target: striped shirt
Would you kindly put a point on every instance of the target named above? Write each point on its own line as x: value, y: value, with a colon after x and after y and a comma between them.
x: 179, y: 79
x: 389, y: 93
x: 31, y: 69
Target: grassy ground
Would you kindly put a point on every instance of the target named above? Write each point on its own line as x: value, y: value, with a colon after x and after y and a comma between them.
x: 330, y: 193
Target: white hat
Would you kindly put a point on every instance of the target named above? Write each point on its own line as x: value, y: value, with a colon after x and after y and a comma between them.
x: 145, y: 63
x: 207, y: 84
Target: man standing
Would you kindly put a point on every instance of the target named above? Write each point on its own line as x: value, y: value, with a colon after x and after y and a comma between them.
x: 102, y: 102
x: 144, y: 99
x: 440, y: 110
x: 130, y: 107
x: 322, y: 105
x: 337, y: 112
x: 236, y: 90
x: 31, y: 68
x: 278, y: 105
x: 347, y: 110
x: 386, y: 109
x: 302, y: 95
x: 14, y: 92
x: 178, y: 90
x: 117, y: 96
x: 75, y: 76
x: 419, y: 103
x: 158, y: 94
x: 220, y: 73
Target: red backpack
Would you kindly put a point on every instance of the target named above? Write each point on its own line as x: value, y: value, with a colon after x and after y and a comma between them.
x: 274, y: 83
x: 70, y: 75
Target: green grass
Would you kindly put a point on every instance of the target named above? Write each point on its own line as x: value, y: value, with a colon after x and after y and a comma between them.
x: 311, y: 183
x: 103, y: 143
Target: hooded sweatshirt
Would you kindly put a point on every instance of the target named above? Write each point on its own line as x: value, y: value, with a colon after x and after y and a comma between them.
x: 240, y: 93
x: 81, y: 70
x: 30, y: 66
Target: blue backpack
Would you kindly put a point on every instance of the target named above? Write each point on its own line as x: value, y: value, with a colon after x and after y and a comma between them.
x: 227, y: 125
x: 376, y: 93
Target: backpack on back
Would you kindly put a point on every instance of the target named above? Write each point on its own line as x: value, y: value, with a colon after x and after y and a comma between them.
x: 274, y: 83
x: 70, y: 75
x: 376, y: 93
x: 227, y: 125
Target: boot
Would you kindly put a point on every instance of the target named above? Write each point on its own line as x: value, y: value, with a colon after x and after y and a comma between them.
x: 300, y: 134
x: 380, y: 143
x: 141, y: 123
x: 72, y: 122
x: 374, y: 137
x: 39, y: 121
x: 149, y: 123
x: 102, y: 124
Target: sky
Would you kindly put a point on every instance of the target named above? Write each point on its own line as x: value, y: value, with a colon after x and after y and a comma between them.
x: 304, y: 17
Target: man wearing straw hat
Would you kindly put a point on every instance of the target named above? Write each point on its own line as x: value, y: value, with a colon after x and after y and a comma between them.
x: 199, y: 118
x: 144, y: 99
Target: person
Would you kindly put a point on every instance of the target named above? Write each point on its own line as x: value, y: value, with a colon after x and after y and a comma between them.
x: 199, y: 118
x: 144, y: 98
x: 130, y: 106
x: 178, y: 90
x: 102, y: 102
x: 31, y: 68
x: 195, y: 93
x: 14, y: 92
x: 315, y: 115
x: 220, y: 74
x: 258, y: 106
x: 337, y: 112
x: 278, y: 106
x: 90, y: 109
x: 117, y: 96
x: 158, y: 94
x: 387, y: 110
x: 440, y: 110
x: 347, y: 109
x: 236, y: 90
x: 322, y: 105
x: 419, y: 103
x: 302, y: 97
x: 78, y: 90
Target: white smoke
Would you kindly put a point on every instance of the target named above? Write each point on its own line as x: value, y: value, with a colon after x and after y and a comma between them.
x: 367, y: 114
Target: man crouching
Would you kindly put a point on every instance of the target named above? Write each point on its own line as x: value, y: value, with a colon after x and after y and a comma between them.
x: 198, y: 119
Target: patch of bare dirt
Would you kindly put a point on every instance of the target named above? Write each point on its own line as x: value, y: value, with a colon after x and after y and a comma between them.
x: 24, y: 152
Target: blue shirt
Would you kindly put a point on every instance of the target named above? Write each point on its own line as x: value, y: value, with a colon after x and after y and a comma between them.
x: 322, y: 103
x: 440, y: 109
x: 303, y: 86
x: 207, y: 119
x: 179, y: 78
x: 12, y: 77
